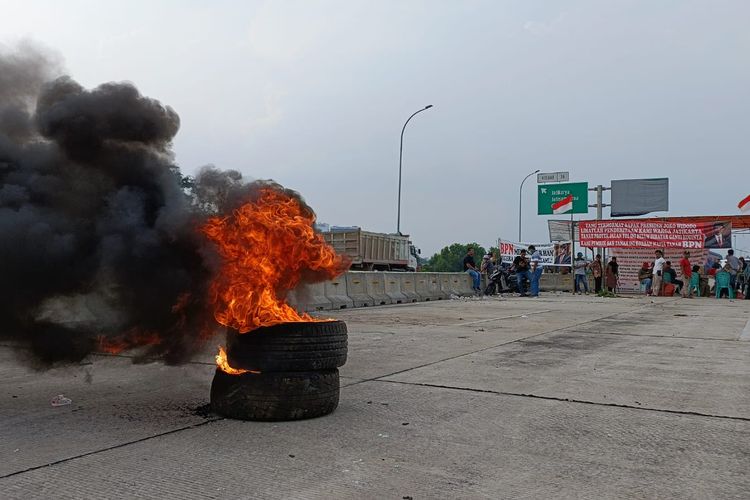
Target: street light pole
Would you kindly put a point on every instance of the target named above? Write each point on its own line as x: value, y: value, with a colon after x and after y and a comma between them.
x: 520, y: 196
x: 400, y: 157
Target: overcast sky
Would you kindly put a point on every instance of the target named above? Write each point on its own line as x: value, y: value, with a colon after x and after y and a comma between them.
x: 314, y: 95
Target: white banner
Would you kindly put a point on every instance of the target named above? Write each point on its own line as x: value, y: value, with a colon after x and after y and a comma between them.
x: 553, y: 254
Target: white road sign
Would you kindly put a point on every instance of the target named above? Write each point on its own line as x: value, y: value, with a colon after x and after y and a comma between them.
x: 552, y: 177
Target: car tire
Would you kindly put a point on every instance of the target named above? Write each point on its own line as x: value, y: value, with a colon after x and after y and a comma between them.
x: 275, y: 396
x: 289, y: 347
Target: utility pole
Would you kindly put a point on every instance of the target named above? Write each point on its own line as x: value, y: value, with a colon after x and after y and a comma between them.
x: 599, y: 205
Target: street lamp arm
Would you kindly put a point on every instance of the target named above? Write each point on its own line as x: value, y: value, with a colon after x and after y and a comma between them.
x: 520, y: 194
x: 403, y: 129
x: 400, y: 157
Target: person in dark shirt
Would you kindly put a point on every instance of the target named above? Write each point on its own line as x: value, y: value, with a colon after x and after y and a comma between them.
x: 612, y: 274
x: 470, y: 267
x: 521, y: 266
x: 673, y: 274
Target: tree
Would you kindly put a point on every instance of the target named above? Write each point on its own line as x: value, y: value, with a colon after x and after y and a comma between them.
x: 450, y: 258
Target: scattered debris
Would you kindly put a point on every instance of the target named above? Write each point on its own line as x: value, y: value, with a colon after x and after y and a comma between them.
x: 202, y: 411
x: 524, y: 316
x: 404, y: 423
x: 383, y: 435
x: 291, y: 456
x: 60, y: 400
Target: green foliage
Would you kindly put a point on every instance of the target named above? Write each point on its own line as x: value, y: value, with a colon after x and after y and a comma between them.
x: 450, y: 258
x: 606, y: 293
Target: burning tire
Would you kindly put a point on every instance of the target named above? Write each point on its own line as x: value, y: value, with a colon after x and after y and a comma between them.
x: 289, y: 347
x: 275, y: 396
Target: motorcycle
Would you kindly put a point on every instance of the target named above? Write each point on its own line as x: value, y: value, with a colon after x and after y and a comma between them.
x: 501, y: 280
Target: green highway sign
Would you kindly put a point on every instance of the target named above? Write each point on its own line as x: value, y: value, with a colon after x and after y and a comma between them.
x: 556, y: 199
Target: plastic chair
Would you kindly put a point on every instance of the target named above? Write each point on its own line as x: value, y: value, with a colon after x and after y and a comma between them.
x: 667, y: 290
x: 723, y: 280
x: 695, y: 284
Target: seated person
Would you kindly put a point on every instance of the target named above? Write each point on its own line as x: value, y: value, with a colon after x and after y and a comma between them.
x: 714, y: 269
x: 644, y: 277
x: 672, y: 277
x: 695, y: 282
x: 723, y: 275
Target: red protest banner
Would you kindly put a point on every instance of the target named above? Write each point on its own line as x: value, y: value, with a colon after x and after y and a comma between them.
x: 655, y: 234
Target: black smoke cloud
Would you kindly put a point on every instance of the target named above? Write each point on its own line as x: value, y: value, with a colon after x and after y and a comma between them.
x: 100, y: 244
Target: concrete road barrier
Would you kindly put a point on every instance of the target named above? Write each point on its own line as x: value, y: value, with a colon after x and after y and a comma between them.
x: 357, y: 290
x: 375, y: 287
x: 550, y: 282
x: 456, y: 284
x: 393, y: 290
x: 434, y: 285
x: 409, y: 286
x: 462, y: 284
x: 421, y: 283
x: 336, y: 292
x: 310, y: 297
x: 368, y: 288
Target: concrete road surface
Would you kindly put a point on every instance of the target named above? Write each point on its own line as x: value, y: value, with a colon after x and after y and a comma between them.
x: 556, y: 397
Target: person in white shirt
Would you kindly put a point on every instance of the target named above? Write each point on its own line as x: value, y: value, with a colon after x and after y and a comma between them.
x: 658, y: 271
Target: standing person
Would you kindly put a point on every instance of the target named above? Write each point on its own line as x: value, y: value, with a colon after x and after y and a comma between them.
x: 581, y: 283
x: 535, y: 271
x: 734, y: 267
x: 613, y: 274
x: 687, y: 272
x: 470, y: 268
x: 521, y: 266
x: 598, y: 271
x: 487, y: 267
x: 658, y: 267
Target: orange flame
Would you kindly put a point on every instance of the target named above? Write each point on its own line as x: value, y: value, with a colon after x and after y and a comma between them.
x: 223, y: 363
x: 267, y: 247
x: 128, y: 340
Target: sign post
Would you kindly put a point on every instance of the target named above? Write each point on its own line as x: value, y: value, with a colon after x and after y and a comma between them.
x: 572, y: 198
x: 552, y: 177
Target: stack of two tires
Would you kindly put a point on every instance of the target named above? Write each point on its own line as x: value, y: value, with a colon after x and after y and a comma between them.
x: 298, y: 365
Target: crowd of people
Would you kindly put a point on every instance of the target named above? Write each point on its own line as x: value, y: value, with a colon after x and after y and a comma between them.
x: 527, y: 267
x: 658, y: 277
x: 610, y: 274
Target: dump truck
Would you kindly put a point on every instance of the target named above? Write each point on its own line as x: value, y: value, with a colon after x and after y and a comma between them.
x: 373, y: 251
